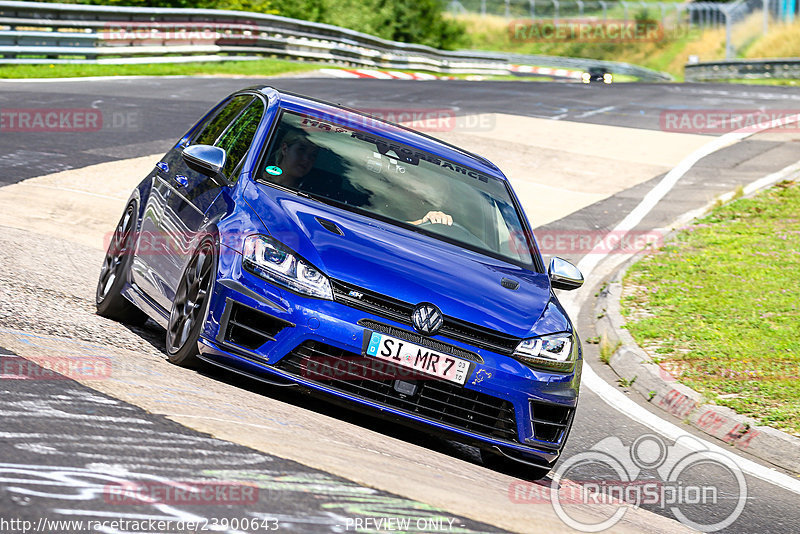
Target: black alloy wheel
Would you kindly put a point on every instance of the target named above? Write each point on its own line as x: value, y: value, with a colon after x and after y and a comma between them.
x: 114, y: 273
x: 191, y: 305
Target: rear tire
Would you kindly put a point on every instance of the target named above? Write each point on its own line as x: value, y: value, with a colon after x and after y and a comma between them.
x: 114, y: 274
x: 190, y: 306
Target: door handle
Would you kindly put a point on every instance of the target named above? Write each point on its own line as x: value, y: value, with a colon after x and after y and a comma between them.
x: 182, y: 180
x: 162, y: 166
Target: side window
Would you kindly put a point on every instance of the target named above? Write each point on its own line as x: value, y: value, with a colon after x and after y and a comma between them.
x: 237, y: 138
x: 213, y: 128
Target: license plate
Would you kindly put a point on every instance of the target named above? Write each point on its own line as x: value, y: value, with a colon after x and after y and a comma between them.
x: 421, y: 359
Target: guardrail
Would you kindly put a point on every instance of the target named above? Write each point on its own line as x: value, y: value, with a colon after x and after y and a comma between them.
x: 68, y: 33
x: 742, y: 69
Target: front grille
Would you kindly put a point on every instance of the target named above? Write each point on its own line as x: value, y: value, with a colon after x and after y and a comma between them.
x: 372, y: 302
x: 484, y: 338
x: 397, y: 310
x: 249, y: 328
x: 550, y: 421
x: 434, y: 399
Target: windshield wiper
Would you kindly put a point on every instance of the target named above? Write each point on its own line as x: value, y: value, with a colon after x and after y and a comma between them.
x: 297, y: 192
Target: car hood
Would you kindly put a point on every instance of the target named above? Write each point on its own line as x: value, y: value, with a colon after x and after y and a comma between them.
x: 408, y: 265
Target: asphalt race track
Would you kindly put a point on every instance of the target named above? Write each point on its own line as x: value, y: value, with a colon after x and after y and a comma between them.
x: 123, y: 446
x: 64, y: 443
x: 144, y: 116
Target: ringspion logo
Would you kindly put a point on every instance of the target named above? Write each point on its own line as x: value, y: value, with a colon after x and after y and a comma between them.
x: 685, y: 477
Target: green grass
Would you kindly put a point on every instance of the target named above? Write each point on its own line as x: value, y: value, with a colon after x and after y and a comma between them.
x: 492, y: 33
x: 669, y: 54
x: 722, y: 306
x: 265, y: 67
x: 782, y: 40
x: 261, y: 67
x: 607, y: 350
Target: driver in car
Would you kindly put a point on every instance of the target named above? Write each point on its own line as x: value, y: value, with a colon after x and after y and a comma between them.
x: 295, y: 160
x: 434, y: 217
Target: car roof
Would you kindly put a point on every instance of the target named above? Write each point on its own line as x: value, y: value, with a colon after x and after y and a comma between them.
x: 380, y: 127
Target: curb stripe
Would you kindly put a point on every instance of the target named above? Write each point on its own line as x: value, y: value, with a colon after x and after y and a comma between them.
x: 384, y: 74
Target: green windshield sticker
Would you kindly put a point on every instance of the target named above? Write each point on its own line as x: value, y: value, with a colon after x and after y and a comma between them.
x: 273, y: 170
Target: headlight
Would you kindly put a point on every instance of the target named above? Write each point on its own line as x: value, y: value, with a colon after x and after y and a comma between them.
x: 555, y: 352
x: 274, y: 261
x: 586, y: 77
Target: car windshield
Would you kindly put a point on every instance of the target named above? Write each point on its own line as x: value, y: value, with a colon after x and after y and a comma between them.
x: 403, y: 185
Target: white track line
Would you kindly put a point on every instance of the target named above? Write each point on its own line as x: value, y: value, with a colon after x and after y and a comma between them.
x: 594, y: 112
x: 654, y: 196
x: 615, y: 398
x: 629, y: 408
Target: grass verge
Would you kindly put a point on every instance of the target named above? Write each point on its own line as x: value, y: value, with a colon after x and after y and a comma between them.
x: 260, y: 67
x: 265, y: 67
x: 667, y: 54
x: 720, y: 306
x: 607, y: 349
x: 782, y: 40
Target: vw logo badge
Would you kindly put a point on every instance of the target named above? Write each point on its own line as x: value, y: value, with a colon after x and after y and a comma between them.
x: 427, y: 319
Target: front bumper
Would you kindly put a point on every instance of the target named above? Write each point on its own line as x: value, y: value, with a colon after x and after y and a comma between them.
x: 264, y: 330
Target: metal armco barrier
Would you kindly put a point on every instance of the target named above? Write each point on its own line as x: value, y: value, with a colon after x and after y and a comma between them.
x: 33, y: 32
x: 743, y: 69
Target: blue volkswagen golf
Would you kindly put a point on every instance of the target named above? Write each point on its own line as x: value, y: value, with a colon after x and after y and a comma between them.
x: 288, y: 238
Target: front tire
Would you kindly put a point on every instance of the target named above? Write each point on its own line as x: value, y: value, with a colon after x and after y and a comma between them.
x: 191, y: 305
x: 114, y: 274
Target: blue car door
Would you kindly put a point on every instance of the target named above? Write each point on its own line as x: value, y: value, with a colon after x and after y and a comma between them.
x: 192, y: 194
x: 148, y: 261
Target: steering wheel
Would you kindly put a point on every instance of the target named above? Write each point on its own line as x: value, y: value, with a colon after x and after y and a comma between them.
x: 453, y: 231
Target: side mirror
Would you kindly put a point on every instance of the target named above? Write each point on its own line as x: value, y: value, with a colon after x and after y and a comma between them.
x: 205, y: 159
x: 564, y: 275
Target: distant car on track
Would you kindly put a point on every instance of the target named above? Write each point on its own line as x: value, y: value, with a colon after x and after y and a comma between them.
x: 287, y: 238
x: 597, y: 74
